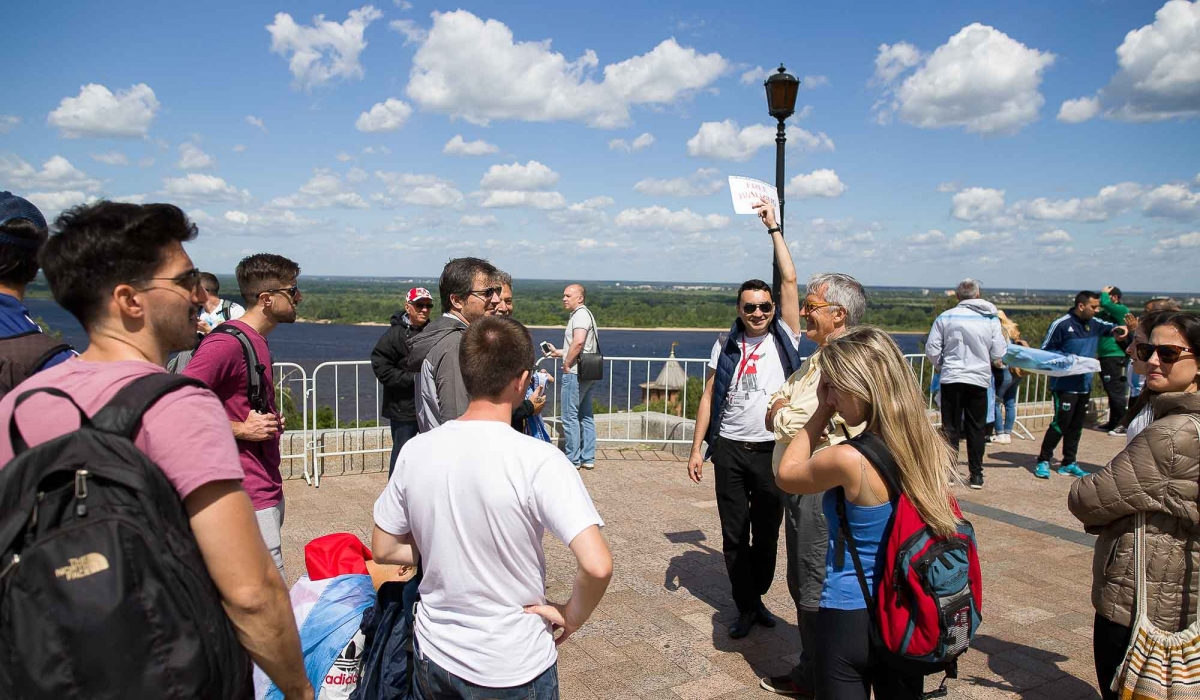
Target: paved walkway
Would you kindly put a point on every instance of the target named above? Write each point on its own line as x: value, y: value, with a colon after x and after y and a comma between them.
x: 661, y: 631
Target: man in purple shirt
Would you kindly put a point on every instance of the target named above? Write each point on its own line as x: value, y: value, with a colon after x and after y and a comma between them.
x: 268, y: 285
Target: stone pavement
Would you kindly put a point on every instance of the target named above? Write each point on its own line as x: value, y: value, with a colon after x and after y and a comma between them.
x: 661, y: 631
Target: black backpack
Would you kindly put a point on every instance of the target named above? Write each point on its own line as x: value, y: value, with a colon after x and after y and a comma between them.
x: 256, y: 380
x: 24, y: 355
x: 103, y: 590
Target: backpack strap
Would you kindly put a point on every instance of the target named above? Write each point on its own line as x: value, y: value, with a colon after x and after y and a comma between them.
x: 122, y: 415
x: 876, y: 451
x: 41, y: 360
x: 14, y: 433
x: 226, y: 310
x: 848, y: 538
x: 255, y: 372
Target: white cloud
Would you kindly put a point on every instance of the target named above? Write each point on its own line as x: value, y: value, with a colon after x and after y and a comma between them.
x: 981, y: 79
x: 756, y: 74
x: 413, y: 32
x: 343, y: 157
x: 663, y: 219
x: 458, y: 147
x: 1183, y: 240
x: 356, y: 175
x: 1171, y: 201
x: 403, y: 4
x: 56, y: 173
x: 728, y: 141
x: 1055, y: 237
x: 974, y: 239
x: 523, y: 198
x: 265, y: 220
x: 324, y: 51
x: 932, y: 237
x: 977, y: 203
x: 51, y: 204
x: 1159, y: 73
x: 473, y: 69
x: 146, y: 163
x: 256, y: 122
x: 323, y: 191
x: 948, y: 187
x: 531, y: 176
x: 130, y: 199
x: 8, y: 122
x: 818, y: 183
x: 97, y: 112
x: 1110, y: 201
x: 192, y: 158
x: 702, y: 183
x: 237, y: 217
x: 642, y: 142
x: 588, y: 212
x: 239, y: 148
x: 1080, y: 110
x: 384, y: 117
x: 111, y: 158
x: 377, y: 150
x: 195, y: 187
x: 479, y: 221
x: 813, y: 82
x: 438, y: 194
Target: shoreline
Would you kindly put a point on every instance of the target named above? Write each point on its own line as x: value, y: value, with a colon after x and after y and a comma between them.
x: 664, y: 329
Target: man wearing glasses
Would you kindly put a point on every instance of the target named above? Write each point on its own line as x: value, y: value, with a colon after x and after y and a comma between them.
x: 747, y: 366
x: 268, y: 285
x: 469, y: 289
x: 389, y: 360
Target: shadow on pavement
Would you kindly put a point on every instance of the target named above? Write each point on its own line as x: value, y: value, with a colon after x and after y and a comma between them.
x: 1023, y: 668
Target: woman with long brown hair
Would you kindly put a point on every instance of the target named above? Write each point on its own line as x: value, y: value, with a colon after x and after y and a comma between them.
x: 866, y: 380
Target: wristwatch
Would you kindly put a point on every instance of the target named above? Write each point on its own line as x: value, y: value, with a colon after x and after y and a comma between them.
x: 774, y: 229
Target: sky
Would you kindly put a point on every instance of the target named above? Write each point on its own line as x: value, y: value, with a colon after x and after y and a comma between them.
x: 1026, y: 144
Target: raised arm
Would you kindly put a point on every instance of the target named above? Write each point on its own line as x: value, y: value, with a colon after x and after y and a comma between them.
x: 789, y: 293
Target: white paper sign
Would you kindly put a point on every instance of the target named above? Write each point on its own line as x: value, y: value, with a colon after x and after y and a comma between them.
x: 747, y: 192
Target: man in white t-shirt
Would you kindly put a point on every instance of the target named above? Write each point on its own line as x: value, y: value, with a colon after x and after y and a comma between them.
x: 473, y: 497
x: 579, y: 426
x: 748, y: 365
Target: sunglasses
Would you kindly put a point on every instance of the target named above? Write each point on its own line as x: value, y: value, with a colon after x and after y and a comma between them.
x: 423, y: 307
x: 487, y: 293
x: 1166, y: 353
x: 187, y: 280
x: 766, y: 307
x: 291, y: 291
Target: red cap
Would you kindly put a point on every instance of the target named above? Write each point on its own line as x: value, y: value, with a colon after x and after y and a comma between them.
x: 335, y: 555
x: 418, y: 293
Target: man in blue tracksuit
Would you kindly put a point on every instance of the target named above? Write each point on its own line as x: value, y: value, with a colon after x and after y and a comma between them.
x: 1076, y: 333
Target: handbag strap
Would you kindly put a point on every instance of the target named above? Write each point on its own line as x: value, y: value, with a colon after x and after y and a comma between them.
x: 591, y: 331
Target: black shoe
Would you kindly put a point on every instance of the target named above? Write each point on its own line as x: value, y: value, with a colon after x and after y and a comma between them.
x: 741, y: 628
x: 976, y: 481
x: 784, y: 685
x: 764, y: 617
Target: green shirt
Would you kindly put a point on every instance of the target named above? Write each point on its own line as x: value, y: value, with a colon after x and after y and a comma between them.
x: 1112, y: 312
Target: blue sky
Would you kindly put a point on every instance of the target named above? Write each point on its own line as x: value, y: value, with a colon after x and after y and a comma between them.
x: 1022, y: 143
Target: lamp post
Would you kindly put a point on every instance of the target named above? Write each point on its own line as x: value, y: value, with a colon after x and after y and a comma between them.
x: 781, y: 104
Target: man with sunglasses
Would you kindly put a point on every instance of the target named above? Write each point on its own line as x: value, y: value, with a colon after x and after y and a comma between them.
x: 469, y: 289
x: 268, y: 285
x: 747, y: 366
x: 1078, y: 332
x: 389, y: 360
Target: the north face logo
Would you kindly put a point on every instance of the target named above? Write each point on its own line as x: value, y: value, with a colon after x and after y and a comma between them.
x: 80, y: 567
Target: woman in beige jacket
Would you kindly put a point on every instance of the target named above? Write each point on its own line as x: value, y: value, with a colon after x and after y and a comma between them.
x: 1155, y: 474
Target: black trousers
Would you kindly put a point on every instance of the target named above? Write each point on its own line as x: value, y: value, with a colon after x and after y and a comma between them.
x: 750, y: 506
x: 1069, y: 412
x: 1109, y: 642
x: 964, y: 415
x: 1112, y: 375
x: 846, y: 668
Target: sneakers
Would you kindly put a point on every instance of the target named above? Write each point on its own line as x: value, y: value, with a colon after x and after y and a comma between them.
x: 1119, y: 430
x: 1042, y: 471
x: 1002, y: 439
x: 1072, y: 469
x: 588, y: 465
x: 784, y: 685
x: 976, y: 481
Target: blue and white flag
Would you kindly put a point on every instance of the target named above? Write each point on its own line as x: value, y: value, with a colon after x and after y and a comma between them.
x: 1050, y: 363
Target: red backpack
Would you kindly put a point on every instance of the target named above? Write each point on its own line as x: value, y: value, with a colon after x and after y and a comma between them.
x: 928, y: 600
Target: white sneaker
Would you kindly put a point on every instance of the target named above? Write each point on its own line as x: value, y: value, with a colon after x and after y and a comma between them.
x: 1006, y: 438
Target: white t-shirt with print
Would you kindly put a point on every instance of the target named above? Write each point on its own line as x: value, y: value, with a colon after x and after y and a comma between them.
x: 580, y: 318
x: 216, y: 318
x: 477, y: 497
x: 757, y: 374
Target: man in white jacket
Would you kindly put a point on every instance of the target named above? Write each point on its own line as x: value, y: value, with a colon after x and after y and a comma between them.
x: 964, y: 344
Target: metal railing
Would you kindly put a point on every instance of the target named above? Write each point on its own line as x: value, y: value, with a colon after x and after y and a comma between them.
x: 341, y: 423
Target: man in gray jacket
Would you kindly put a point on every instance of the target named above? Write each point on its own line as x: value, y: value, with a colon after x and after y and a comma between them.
x: 469, y: 290
x: 964, y: 344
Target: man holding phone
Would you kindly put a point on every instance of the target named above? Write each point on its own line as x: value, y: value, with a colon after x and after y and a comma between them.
x: 268, y: 286
x: 579, y: 427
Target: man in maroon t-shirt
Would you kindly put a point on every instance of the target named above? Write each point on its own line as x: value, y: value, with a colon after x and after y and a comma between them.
x: 268, y: 285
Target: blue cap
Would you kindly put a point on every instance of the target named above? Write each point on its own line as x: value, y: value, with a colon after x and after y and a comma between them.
x: 14, y: 207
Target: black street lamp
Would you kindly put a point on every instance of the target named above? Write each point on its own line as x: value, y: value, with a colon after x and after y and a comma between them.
x: 781, y: 104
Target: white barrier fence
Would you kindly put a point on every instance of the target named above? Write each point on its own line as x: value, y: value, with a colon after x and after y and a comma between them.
x: 342, y: 428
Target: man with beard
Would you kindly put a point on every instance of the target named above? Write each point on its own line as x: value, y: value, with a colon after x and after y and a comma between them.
x: 122, y: 271
x: 388, y: 361
x: 235, y: 361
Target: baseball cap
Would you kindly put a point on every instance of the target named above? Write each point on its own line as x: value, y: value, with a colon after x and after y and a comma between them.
x: 417, y: 293
x: 14, y: 207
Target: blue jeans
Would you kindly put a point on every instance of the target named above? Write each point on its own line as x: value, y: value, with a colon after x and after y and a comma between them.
x: 1006, y: 397
x: 402, y: 432
x: 436, y: 683
x: 579, y: 426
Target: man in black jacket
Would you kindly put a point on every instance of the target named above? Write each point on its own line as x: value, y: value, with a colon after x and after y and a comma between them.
x: 388, y: 359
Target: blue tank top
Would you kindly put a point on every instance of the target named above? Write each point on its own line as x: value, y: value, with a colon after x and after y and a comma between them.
x: 867, y: 523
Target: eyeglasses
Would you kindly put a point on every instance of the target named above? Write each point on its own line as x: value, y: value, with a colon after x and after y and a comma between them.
x: 766, y: 307
x: 187, y: 280
x: 1166, y: 353
x: 811, y: 306
x: 487, y: 293
x: 291, y: 291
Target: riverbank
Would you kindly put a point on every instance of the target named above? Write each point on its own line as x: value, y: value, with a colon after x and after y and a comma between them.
x: 664, y: 329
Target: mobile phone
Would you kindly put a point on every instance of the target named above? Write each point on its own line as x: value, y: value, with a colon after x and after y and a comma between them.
x: 547, y: 348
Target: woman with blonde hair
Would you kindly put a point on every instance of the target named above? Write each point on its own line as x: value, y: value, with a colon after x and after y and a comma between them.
x: 865, y: 379
x: 1008, y: 383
